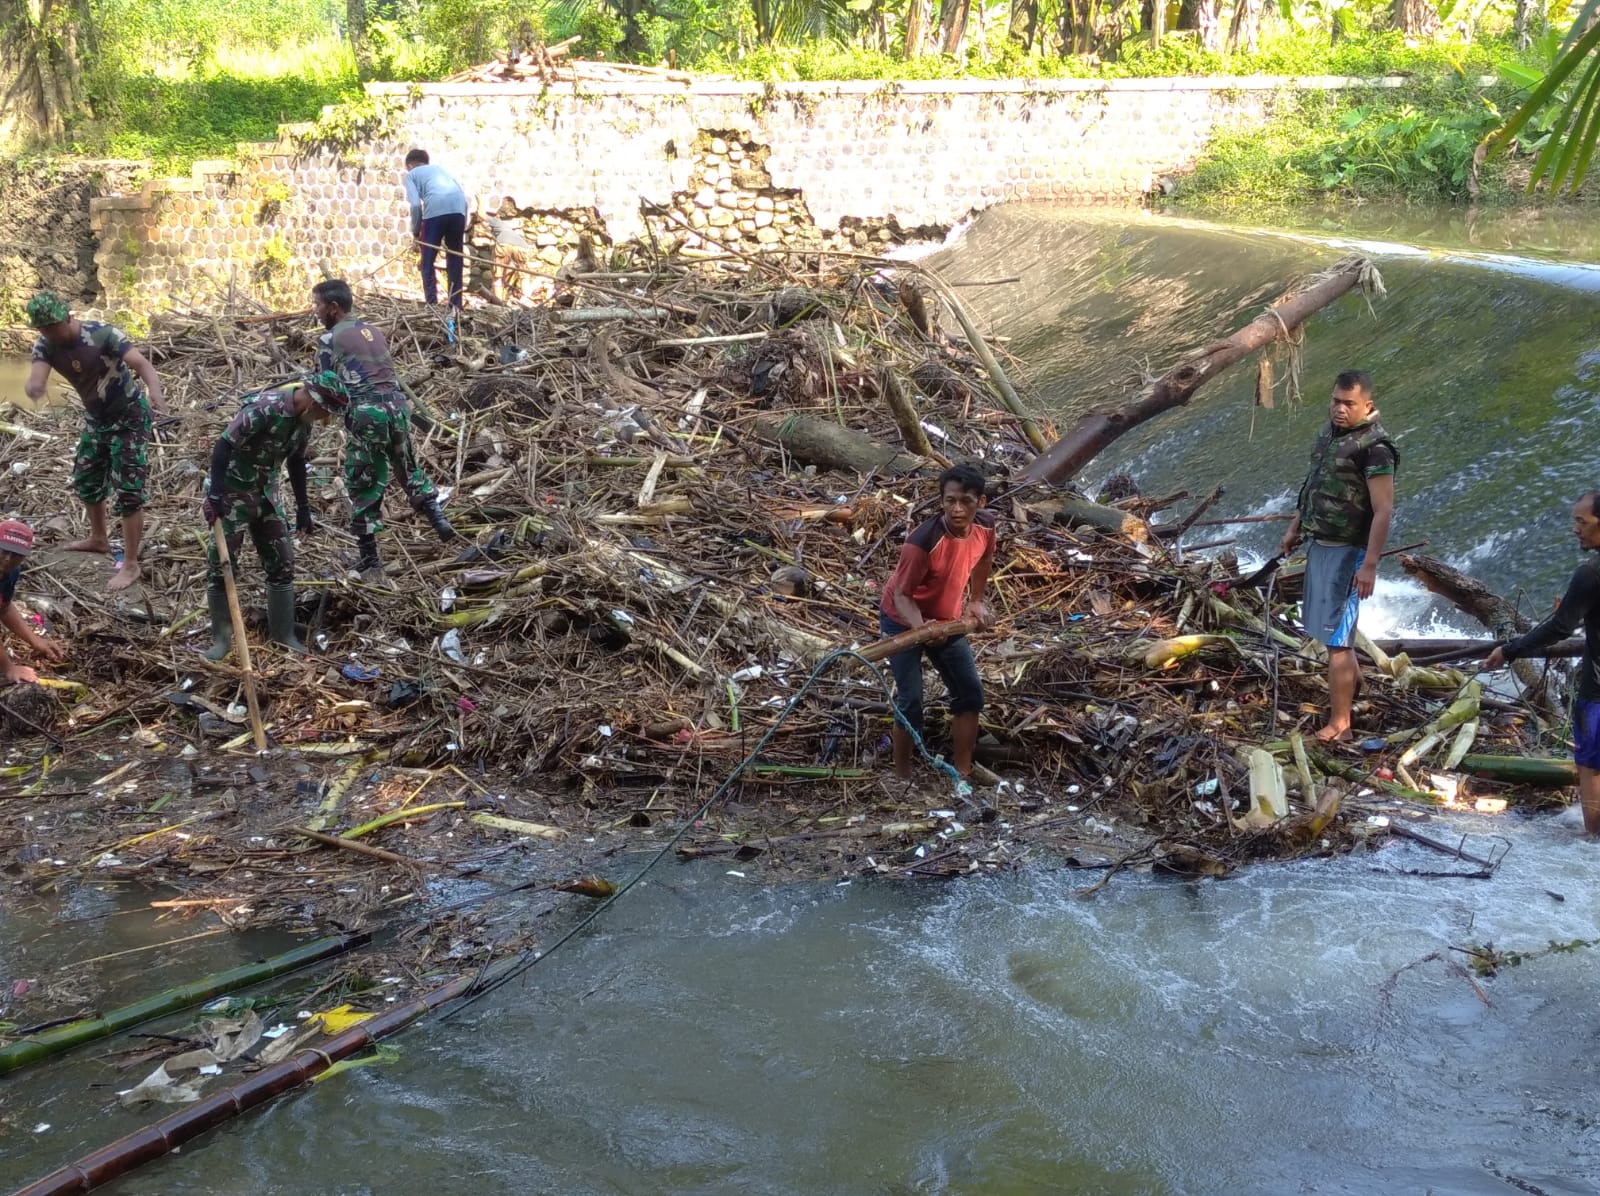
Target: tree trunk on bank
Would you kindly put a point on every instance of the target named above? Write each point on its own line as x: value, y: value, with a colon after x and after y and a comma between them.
x: 1415, y: 18
x: 916, y: 21
x: 41, y: 79
x: 1244, y: 33
x: 1100, y: 427
x: 1024, y: 23
x: 355, y: 13
x: 1154, y: 15
x: 953, y: 24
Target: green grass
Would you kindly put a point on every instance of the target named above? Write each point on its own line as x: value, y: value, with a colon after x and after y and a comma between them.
x: 1413, y: 145
x: 1298, y: 53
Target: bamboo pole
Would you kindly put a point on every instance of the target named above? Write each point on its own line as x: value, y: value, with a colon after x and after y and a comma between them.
x: 168, y: 1133
x: 1003, y: 389
x: 57, y: 1039
x: 241, y: 645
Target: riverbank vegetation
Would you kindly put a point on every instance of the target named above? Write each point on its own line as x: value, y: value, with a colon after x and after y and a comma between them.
x: 172, y: 81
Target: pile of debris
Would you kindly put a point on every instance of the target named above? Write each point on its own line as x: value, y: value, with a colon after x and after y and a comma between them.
x: 683, y: 492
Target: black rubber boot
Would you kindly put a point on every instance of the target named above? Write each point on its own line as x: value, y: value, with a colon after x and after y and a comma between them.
x: 367, y: 553
x: 441, y: 525
x: 221, y: 622
x: 280, y: 618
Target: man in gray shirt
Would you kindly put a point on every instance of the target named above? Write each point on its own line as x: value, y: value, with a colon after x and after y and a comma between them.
x: 438, y: 221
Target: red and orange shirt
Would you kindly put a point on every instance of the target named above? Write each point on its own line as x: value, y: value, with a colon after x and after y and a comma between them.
x: 936, y: 566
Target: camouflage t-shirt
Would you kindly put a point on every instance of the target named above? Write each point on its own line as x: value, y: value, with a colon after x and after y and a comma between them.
x: 264, y: 435
x: 359, y: 354
x: 97, y: 367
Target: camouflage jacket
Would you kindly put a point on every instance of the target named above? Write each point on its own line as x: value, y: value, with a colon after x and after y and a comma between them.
x: 359, y: 354
x: 1335, y: 506
x: 97, y: 368
x: 264, y: 435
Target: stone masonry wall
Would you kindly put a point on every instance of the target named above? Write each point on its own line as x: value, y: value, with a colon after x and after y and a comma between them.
x: 696, y: 167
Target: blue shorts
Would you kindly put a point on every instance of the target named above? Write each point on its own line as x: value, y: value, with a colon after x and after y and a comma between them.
x: 1586, y: 734
x: 955, y: 664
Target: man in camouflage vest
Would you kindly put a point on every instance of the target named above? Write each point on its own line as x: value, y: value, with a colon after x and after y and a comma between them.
x: 106, y: 371
x: 270, y: 432
x: 377, y: 423
x: 1345, y: 509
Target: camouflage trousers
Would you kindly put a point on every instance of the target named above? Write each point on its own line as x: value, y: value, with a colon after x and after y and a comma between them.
x: 111, y: 456
x: 259, y: 514
x: 378, y: 444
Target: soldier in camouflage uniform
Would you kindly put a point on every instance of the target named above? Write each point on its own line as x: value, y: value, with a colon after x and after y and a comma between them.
x: 106, y: 370
x: 270, y: 432
x: 1345, y: 509
x: 377, y: 423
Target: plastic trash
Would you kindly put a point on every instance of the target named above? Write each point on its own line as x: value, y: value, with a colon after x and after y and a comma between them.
x: 450, y: 646
x: 359, y: 672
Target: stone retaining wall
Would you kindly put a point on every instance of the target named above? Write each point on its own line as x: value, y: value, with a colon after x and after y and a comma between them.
x: 707, y: 166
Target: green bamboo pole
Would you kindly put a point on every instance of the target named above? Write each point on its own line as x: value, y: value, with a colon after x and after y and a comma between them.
x: 57, y: 1039
x: 1522, y: 770
x: 810, y: 771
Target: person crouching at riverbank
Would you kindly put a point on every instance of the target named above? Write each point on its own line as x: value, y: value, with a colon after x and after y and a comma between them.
x: 1345, y: 508
x: 943, y: 569
x: 1581, y: 604
x: 16, y: 542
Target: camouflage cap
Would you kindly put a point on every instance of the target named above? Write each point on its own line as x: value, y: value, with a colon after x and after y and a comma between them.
x: 327, y: 390
x: 47, y: 308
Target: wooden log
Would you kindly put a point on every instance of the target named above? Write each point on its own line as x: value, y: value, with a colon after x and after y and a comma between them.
x: 1522, y: 770
x: 828, y: 445
x: 916, y: 637
x: 1472, y: 597
x: 912, y: 434
x: 1443, y: 651
x: 1102, y: 426
x: 1467, y: 594
x: 377, y: 853
x: 1104, y: 518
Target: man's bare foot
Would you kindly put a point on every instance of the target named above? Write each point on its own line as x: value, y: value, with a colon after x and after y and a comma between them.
x: 1332, y: 734
x: 89, y: 545
x: 126, y: 575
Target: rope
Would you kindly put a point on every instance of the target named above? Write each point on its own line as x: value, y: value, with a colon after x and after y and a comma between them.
x: 532, y: 955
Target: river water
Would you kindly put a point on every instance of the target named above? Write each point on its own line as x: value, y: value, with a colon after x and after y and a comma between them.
x: 1300, y: 1028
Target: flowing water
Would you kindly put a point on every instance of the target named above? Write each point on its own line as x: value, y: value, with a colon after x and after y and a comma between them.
x: 1300, y: 1028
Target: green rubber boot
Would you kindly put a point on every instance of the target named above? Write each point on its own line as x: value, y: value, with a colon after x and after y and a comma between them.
x: 280, y: 618
x: 221, y: 622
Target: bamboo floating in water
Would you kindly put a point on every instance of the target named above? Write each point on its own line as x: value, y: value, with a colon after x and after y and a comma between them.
x: 54, y: 1041
x: 167, y: 1134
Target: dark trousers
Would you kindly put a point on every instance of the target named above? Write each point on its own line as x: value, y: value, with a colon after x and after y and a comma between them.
x: 952, y: 660
x: 447, y: 233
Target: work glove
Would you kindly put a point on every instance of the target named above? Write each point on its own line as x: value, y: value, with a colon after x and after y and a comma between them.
x: 215, y: 507
x: 303, y: 521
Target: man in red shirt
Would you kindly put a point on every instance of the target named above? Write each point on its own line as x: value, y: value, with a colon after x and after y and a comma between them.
x: 943, y: 569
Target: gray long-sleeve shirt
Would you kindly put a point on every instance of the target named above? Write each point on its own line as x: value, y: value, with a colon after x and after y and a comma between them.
x: 433, y: 191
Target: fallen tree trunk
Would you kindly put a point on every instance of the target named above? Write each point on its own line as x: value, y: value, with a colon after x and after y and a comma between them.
x: 1100, y: 427
x: 1472, y: 597
x: 828, y: 445
x: 1441, y: 651
x: 1467, y: 594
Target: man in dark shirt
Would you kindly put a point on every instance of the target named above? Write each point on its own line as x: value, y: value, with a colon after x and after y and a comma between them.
x: 941, y: 574
x: 1580, y: 605
x: 106, y: 370
x: 1345, y: 508
x: 16, y: 541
